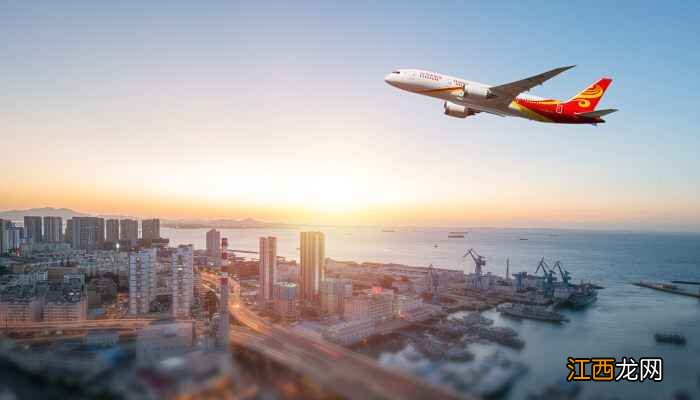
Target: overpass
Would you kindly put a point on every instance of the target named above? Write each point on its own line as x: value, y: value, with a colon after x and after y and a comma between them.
x: 347, y: 373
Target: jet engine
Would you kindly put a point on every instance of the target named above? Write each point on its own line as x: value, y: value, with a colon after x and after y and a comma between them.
x: 479, y: 92
x: 457, y: 111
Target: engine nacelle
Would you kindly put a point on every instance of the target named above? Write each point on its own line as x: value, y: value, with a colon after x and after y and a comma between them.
x: 457, y: 111
x: 478, y: 92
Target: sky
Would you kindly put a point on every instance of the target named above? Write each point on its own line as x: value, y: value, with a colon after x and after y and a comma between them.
x: 278, y: 111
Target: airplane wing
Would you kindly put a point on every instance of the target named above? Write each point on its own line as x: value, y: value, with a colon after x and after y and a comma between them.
x: 509, y: 91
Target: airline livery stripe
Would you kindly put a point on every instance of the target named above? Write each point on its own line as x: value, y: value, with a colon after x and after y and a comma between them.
x: 441, y: 89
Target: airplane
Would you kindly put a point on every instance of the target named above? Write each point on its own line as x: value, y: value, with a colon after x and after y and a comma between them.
x: 465, y: 98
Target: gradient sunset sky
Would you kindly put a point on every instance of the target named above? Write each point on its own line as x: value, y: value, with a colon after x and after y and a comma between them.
x: 278, y: 111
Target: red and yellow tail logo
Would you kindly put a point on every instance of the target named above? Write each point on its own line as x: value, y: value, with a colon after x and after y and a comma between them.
x: 589, y: 97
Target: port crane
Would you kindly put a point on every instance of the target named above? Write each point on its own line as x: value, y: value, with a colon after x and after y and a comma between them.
x: 548, y: 274
x: 565, y: 275
x: 479, y: 264
x: 433, y: 283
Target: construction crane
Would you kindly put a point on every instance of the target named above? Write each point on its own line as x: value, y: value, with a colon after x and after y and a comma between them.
x: 433, y: 283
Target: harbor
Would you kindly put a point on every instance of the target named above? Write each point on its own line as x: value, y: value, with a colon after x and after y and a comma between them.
x: 626, y: 316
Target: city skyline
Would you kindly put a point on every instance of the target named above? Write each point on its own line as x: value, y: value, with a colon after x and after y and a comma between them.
x: 159, y: 99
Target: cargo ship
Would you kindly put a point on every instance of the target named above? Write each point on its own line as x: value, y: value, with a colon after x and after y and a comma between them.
x: 455, y: 235
x: 531, y: 312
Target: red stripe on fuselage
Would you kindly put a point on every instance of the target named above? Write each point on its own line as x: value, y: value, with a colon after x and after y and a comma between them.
x: 561, y: 113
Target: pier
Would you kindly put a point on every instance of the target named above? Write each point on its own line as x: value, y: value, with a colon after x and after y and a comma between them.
x: 666, y: 287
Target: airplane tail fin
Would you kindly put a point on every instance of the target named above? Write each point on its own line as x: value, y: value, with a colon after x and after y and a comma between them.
x: 588, y: 99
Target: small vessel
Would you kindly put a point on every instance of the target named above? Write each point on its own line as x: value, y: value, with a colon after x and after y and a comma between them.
x: 388, y: 230
x: 531, y: 312
x: 673, y: 338
x: 455, y: 235
x: 459, y: 232
x: 524, y: 239
x: 580, y: 295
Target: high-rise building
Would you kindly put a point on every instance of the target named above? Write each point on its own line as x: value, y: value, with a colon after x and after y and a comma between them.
x: 313, y: 268
x: 53, y: 229
x: 267, y: 268
x: 150, y: 228
x: 87, y: 232
x: 32, y: 229
x: 333, y: 296
x: 214, y: 243
x: 68, y: 236
x: 142, y: 280
x: 13, y: 236
x: 182, y: 280
x: 285, y: 301
x: 129, y: 230
x: 112, y: 235
x: 3, y: 235
x: 224, y: 328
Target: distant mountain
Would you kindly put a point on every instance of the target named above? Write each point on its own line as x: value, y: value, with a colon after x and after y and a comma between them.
x: 64, y: 213
x: 222, y: 223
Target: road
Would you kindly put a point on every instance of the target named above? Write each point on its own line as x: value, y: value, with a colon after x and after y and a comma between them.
x: 97, y: 324
x: 343, y: 371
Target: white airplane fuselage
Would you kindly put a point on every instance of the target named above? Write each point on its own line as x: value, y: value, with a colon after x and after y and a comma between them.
x: 473, y: 95
x: 464, y: 98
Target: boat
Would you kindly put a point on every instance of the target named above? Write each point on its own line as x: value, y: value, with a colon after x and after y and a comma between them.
x: 672, y: 338
x: 459, y: 232
x: 388, y: 230
x: 583, y: 295
x: 455, y: 235
x: 524, y: 239
x: 531, y: 312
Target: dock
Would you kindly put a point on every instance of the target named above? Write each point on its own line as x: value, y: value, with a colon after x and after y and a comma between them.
x: 669, y: 288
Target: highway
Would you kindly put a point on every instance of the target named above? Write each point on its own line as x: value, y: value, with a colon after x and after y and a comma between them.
x: 97, y: 324
x: 343, y: 371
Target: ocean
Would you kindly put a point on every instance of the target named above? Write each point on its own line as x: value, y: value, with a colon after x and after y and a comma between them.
x: 621, y: 323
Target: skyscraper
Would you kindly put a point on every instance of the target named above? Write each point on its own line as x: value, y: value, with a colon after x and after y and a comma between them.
x: 183, y: 280
x: 312, y: 266
x: 3, y: 235
x: 32, y: 229
x: 112, y: 230
x: 267, y: 268
x: 214, y: 243
x: 53, y: 229
x: 150, y: 228
x: 142, y: 280
x: 68, y: 236
x: 129, y: 230
x: 87, y: 232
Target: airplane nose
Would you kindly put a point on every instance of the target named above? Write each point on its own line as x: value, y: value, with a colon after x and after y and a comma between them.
x: 389, y: 79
